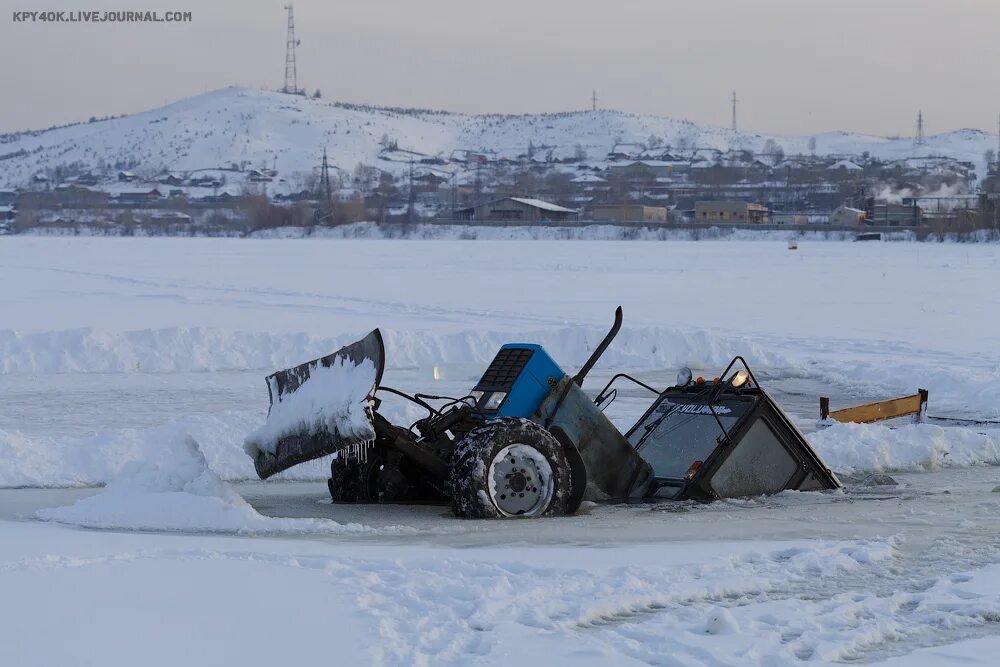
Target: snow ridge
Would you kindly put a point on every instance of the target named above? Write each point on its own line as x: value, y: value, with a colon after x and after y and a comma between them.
x: 180, y: 349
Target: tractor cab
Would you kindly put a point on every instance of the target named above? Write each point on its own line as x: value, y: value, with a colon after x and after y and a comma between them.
x: 724, y: 439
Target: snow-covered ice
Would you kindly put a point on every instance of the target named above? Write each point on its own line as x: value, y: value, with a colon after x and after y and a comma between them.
x: 132, y: 370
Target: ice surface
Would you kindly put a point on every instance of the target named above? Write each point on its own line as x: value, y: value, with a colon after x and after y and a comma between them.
x: 907, y: 576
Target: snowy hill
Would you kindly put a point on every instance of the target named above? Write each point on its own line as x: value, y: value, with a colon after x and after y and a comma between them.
x: 255, y: 128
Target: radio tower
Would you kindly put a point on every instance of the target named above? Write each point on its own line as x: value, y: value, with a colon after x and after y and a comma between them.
x: 291, y: 76
x: 920, y: 129
x: 734, y: 111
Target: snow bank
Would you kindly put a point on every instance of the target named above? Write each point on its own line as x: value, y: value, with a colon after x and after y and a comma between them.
x: 335, y: 400
x: 33, y: 461
x: 177, y: 491
x: 177, y: 349
x: 851, y: 448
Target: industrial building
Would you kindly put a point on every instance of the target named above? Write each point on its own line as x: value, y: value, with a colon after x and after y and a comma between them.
x: 517, y: 209
x: 630, y: 213
x: 733, y: 212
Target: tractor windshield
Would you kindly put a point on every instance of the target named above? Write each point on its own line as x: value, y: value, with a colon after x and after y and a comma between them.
x: 676, y: 434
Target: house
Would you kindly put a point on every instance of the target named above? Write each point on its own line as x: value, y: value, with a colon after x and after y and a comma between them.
x: 847, y: 216
x: 170, y: 179
x: 206, y: 182
x: 625, y: 151
x: 7, y: 197
x: 730, y: 212
x: 142, y: 197
x: 170, y: 217
x: 891, y: 214
x: 7, y: 213
x: 643, y: 170
x: 517, y: 209
x: 630, y: 213
x: 259, y: 175
x: 221, y: 198
x: 846, y: 165
x: 126, y: 177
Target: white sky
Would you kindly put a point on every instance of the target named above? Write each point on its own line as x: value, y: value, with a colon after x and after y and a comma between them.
x: 798, y: 66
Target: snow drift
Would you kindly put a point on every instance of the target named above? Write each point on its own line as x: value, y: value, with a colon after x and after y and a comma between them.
x: 177, y: 491
x: 851, y: 448
x: 178, y: 349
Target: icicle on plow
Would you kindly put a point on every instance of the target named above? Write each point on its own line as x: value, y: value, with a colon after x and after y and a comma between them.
x: 306, y: 422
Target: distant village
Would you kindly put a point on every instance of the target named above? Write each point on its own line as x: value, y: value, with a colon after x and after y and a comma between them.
x: 645, y: 184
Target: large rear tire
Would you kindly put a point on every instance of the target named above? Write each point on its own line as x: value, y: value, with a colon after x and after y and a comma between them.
x: 509, y: 468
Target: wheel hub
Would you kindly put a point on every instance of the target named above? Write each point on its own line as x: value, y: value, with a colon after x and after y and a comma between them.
x: 520, y: 481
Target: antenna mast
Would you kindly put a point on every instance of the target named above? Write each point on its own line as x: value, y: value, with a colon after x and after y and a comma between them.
x: 734, y: 111
x: 291, y: 75
x: 593, y: 101
x: 920, y: 140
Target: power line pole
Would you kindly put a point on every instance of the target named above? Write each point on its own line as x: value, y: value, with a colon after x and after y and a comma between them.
x: 920, y: 141
x: 593, y: 101
x: 327, y: 190
x: 734, y: 111
x: 412, y: 197
x: 291, y: 75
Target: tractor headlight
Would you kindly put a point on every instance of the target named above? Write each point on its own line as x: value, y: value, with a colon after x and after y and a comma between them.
x: 739, y: 379
x: 494, y: 400
x: 684, y: 377
x: 476, y: 395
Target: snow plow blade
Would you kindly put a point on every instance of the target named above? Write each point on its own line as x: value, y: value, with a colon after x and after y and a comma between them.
x: 315, y: 441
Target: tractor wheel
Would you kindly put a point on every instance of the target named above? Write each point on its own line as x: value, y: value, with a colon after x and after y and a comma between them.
x: 508, y: 468
x: 345, y: 479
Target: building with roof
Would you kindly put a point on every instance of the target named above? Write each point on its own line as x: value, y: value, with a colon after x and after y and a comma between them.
x: 732, y: 212
x: 846, y: 216
x: 846, y: 165
x: 643, y: 169
x: 630, y: 213
x: 517, y: 209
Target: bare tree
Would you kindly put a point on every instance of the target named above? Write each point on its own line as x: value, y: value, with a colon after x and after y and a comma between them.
x: 774, y: 149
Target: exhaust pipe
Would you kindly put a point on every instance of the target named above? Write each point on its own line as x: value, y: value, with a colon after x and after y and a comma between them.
x: 578, y: 378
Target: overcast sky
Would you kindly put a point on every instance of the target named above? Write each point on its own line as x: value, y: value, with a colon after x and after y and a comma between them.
x: 798, y: 66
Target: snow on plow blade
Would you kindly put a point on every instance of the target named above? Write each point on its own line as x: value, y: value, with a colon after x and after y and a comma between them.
x: 319, y: 407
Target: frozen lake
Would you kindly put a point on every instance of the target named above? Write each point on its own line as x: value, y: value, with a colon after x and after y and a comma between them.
x: 114, y: 353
